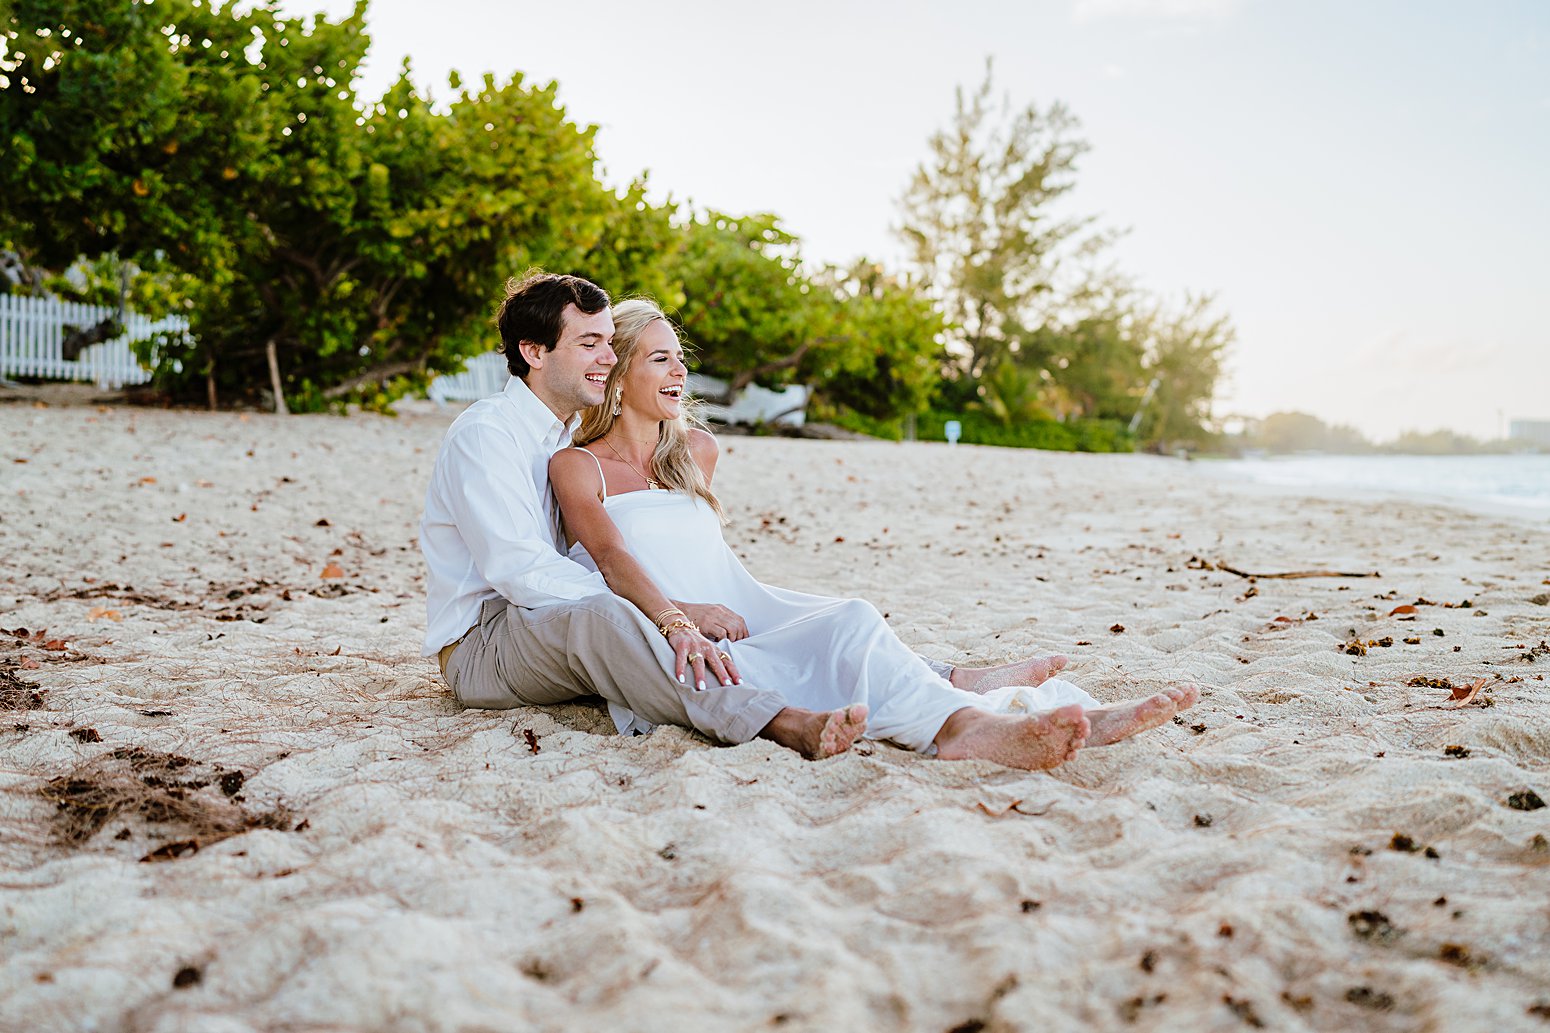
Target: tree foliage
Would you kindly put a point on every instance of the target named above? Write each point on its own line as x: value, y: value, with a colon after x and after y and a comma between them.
x: 1037, y: 326
x: 365, y: 240
x: 980, y: 225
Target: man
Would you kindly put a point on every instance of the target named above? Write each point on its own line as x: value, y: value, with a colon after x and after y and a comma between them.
x: 513, y: 622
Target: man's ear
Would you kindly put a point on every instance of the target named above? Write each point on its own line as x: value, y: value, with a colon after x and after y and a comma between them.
x: 533, y: 352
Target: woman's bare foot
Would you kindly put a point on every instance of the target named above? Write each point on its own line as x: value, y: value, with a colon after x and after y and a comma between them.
x: 1122, y: 720
x: 1034, y: 670
x: 1033, y: 743
x: 816, y: 735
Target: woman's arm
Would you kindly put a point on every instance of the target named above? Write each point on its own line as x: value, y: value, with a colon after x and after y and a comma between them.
x: 578, y: 488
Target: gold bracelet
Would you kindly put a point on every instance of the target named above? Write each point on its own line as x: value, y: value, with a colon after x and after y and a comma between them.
x: 682, y: 624
x: 671, y: 611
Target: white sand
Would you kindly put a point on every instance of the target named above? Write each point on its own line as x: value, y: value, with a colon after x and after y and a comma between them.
x: 448, y: 877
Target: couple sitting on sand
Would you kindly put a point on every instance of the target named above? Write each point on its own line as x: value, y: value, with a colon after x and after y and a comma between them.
x: 648, y: 601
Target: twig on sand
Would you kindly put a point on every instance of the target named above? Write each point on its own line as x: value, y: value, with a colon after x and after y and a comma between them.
x: 1300, y: 573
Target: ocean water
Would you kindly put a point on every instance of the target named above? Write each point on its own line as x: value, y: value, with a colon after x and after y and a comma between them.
x: 1503, y: 484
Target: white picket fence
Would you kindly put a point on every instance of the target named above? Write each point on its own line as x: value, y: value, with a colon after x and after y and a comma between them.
x: 32, y: 332
x: 484, y: 376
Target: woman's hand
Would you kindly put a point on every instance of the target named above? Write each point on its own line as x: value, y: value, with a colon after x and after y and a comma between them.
x: 716, y: 621
x: 693, y: 653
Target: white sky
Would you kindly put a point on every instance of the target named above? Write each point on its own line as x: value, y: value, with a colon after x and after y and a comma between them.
x: 1362, y: 185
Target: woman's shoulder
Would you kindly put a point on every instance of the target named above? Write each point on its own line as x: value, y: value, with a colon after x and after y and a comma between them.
x: 574, y: 463
x: 702, y: 444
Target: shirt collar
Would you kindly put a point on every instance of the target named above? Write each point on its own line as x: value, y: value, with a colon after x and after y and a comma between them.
x: 537, y: 416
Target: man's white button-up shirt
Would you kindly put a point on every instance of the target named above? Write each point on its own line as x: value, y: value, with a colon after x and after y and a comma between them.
x: 490, y: 526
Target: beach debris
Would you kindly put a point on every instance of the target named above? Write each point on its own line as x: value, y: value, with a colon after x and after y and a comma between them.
x: 1355, y: 647
x: 86, y: 735
x: 1460, y: 955
x: 103, y: 613
x: 1149, y: 961
x: 1244, y: 1010
x: 1542, y: 599
x: 1203, y: 821
x: 1118, y: 629
x: 186, y: 977
x: 1412, y: 641
x: 18, y: 693
x: 1458, y: 695
x: 1016, y: 806
x: 1297, y: 1002
x: 1456, y: 752
x: 332, y: 570
x: 1527, y: 800
x: 1540, y: 1010
x: 1406, y: 845
x: 1130, y: 1010
x: 162, y: 789
x: 1374, y: 926
x: 1367, y: 997
x: 172, y: 851
x: 1531, y: 654
x: 531, y: 739
x: 1405, y: 609
x: 1028, y: 907
x: 1287, y: 575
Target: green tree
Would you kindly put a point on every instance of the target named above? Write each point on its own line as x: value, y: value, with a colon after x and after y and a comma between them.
x: 746, y: 306
x: 880, y: 355
x: 980, y: 223
x: 1185, y: 353
x: 362, y: 243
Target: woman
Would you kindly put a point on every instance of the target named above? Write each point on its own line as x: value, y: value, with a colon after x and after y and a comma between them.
x: 637, y: 505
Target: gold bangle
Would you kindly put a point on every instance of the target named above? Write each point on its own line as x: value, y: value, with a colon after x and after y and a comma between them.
x: 671, y: 611
x: 682, y: 624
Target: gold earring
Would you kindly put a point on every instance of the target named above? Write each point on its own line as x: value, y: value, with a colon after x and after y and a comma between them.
x: 618, y: 400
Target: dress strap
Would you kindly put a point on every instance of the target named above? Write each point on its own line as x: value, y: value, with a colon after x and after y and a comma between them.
x: 601, y: 476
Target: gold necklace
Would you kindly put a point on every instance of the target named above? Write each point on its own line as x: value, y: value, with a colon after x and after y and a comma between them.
x: 650, y: 483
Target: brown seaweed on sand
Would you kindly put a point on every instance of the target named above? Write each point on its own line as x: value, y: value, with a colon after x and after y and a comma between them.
x: 183, y: 797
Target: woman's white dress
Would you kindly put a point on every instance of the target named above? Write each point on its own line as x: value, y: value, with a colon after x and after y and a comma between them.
x: 820, y: 653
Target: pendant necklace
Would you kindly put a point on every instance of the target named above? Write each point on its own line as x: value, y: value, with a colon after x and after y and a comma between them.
x: 650, y: 483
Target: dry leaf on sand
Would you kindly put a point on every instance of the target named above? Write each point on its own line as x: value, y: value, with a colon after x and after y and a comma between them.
x: 1463, y: 695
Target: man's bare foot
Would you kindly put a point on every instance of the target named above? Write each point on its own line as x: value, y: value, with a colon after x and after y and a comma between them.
x: 1122, y: 720
x: 1033, y: 743
x: 816, y: 735
x: 1034, y: 670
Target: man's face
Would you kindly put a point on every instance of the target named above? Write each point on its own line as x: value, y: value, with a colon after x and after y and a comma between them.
x: 572, y: 376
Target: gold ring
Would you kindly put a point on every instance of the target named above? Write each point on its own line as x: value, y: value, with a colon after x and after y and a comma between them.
x: 724, y: 658
x: 695, y: 657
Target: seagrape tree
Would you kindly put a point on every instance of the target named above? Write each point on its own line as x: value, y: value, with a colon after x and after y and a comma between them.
x: 360, y: 242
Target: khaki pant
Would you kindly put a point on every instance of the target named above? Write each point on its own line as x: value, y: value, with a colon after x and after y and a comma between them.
x: 603, y: 646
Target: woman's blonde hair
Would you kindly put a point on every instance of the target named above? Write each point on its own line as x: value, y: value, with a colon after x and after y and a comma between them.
x: 671, y: 463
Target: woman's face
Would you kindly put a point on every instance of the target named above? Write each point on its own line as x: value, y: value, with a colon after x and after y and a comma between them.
x: 654, y: 386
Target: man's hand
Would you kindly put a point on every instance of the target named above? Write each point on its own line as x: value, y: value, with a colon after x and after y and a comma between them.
x: 715, y: 621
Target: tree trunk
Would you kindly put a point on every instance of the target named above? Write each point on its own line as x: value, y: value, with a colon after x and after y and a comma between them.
x: 274, y: 379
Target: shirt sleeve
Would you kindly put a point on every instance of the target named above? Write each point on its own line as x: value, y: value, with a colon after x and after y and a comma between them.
x: 501, y: 518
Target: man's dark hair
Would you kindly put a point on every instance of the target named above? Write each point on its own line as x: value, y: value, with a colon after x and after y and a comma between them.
x: 534, y: 310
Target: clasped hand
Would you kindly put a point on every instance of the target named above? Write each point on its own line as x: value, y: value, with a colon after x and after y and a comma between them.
x: 716, y: 621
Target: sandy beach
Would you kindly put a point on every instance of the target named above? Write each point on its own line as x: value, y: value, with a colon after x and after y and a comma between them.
x: 233, y: 797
